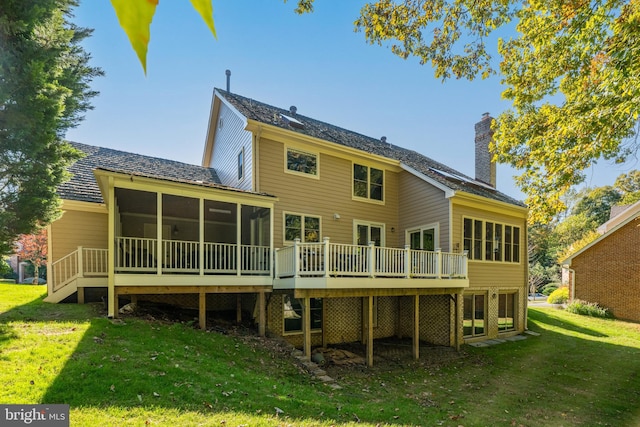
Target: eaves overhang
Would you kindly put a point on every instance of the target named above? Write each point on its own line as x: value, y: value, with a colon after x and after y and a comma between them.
x: 492, y: 205
x: 269, y: 131
x: 124, y: 179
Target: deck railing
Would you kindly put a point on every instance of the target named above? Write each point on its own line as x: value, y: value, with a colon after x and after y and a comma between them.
x: 135, y: 254
x: 83, y: 262
x: 330, y: 259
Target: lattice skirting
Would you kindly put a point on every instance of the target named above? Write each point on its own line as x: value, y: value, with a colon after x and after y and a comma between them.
x: 393, y: 316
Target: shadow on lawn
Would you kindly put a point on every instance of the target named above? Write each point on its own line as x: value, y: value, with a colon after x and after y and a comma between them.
x: 538, y: 317
x: 578, y: 380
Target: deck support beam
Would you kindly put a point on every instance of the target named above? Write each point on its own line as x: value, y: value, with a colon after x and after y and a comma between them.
x: 262, y: 317
x: 202, y: 309
x: 416, y: 327
x: 369, y: 330
x: 306, y: 326
x: 458, y: 319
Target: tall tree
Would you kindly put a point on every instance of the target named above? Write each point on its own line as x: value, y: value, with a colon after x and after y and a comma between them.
x: 44, y: 89
x: 571, y: 72
x: 628, y: 184
x: 596, y: 204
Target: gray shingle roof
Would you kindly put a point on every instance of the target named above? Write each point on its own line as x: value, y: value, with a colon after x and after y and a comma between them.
x: 83, y: 185
x: 439, y: 172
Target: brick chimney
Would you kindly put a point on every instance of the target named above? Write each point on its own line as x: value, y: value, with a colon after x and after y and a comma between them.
x: 485, y: 168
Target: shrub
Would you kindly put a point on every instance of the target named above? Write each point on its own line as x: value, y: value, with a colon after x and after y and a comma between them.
x: 584, y: 308
x: 549, y: 287
x: 559, y: 296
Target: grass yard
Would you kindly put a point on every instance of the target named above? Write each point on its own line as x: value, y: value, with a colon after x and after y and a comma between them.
x: 580, y: 371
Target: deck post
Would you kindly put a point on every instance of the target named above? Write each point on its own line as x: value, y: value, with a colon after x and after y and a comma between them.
x: 465, y: 261
x: 438, y: 263
x: 325, y: 342
x: 416, y: 327
x: 306, y: 326
x: 238, y: 308
x: 202, y: 309
x: 326, y: 256
x: 80, y: 295
x: 116, y: 303
x: 239, y: 260
x: 456, y: 317
x: 159, y: 243
x: 296, y: 258
x: 261, y: 314
x: 372, y: 259
x: 201, y: 238
x: 407, y: 261
x: 80, y: 262
x: 112, y: 305
x: 363, y: 333
x: 370, y: 330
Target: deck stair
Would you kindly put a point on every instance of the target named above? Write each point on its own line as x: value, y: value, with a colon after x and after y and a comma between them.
x: 82, y: 268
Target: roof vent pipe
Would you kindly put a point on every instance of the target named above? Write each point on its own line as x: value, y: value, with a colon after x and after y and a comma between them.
x: 293, y: 110
x: 228, y: 73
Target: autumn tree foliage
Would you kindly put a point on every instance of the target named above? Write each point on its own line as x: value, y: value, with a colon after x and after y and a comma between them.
x: 571, y: 71
x: 33, y: 248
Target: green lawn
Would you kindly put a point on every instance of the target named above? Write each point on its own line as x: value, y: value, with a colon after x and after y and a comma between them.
x: 579, y: 371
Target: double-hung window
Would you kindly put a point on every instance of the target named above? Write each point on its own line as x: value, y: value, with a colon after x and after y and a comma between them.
x: 368, y: 182
x: 303, y: 227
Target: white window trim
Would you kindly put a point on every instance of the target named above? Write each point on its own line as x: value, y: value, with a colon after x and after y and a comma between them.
x: 284, y: 226
x: 244, y: 165
x: 502, y: 260
x: 311, y: 153
x: 436, y: 231
x: 383, y: 233
x: 384, y: 184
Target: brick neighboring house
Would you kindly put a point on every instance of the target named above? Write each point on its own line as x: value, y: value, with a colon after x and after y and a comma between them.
x: 607, y: 271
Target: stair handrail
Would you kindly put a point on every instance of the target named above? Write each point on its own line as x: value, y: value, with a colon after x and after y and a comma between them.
x: 64, y: 270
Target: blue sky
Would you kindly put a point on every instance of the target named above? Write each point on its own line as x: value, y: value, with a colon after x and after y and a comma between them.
x: 315, y: 62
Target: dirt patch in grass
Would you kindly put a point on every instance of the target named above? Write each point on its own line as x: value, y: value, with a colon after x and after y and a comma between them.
x: 389, y: 353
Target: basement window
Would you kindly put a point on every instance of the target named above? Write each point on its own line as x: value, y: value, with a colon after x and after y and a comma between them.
x: 292, y: 314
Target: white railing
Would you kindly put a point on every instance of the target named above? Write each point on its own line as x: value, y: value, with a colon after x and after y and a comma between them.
x: 64, y: 270
x: 135, y: 254
x: 181, y: 256
x: 92, y: 263
x: 329, y: 259
x: 256, y: 260
x: 220, y: 258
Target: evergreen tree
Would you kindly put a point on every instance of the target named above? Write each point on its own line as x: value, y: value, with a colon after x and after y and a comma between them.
x: 44, y: 89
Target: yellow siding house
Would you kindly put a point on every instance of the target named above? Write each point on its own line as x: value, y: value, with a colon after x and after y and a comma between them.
x: 322, y: 234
